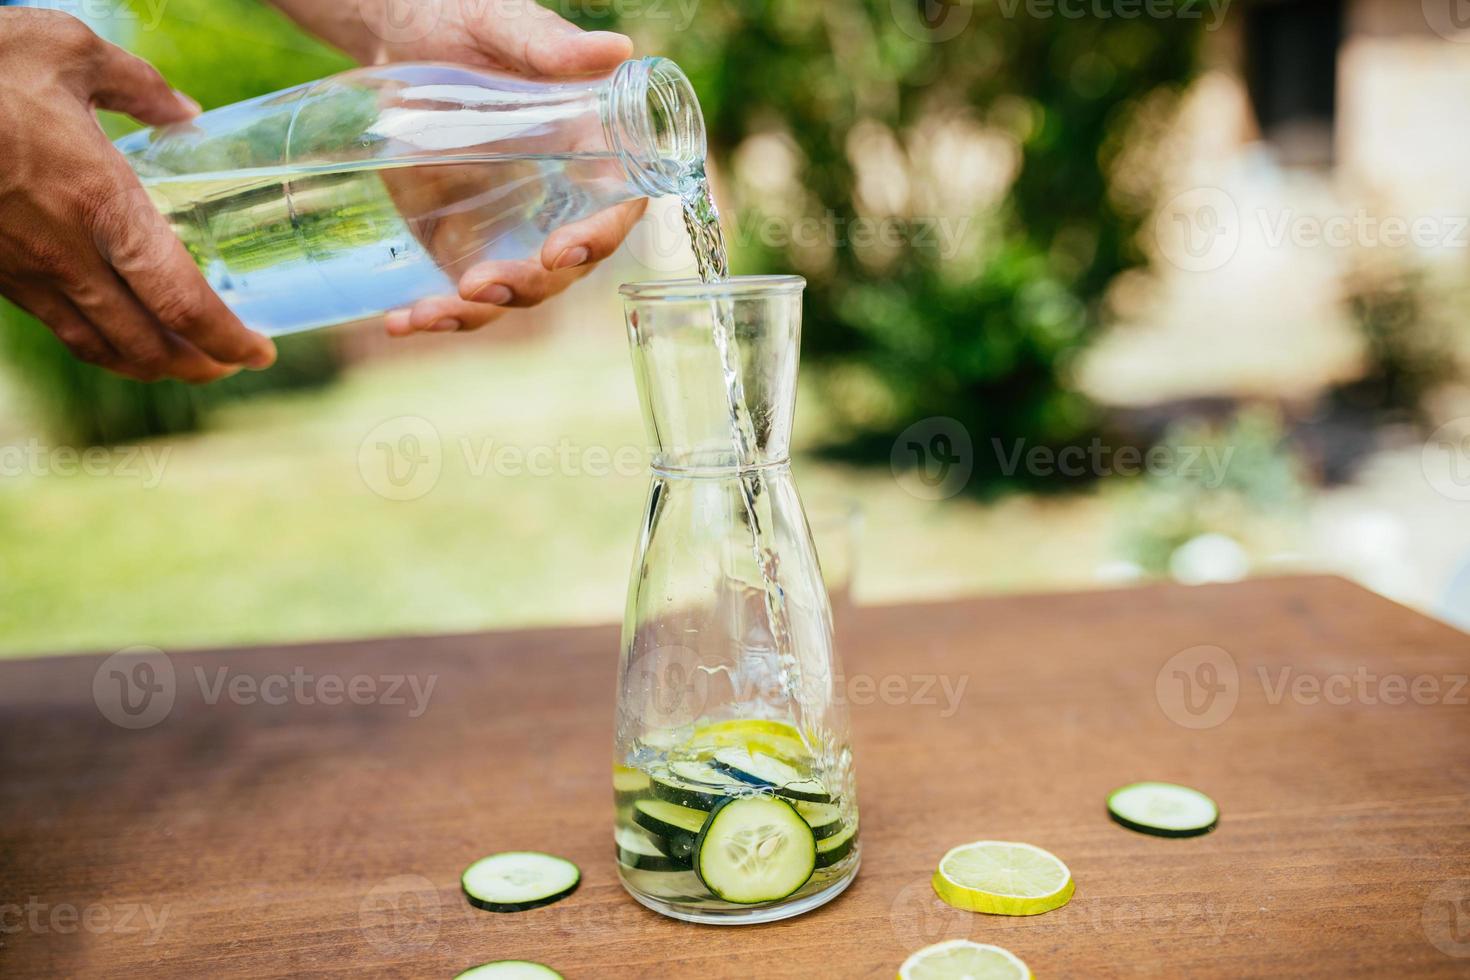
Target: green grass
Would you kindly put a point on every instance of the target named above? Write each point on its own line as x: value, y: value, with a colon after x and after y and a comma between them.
x: 263, y: 529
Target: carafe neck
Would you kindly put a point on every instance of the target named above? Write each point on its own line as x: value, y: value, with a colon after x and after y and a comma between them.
x: 716, y: 370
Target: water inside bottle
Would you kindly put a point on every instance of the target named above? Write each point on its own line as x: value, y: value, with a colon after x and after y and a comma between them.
x: 291, y: 249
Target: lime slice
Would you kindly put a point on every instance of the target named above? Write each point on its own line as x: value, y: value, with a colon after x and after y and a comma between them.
x: 778, y: 738
x: 1003, y: 878
x: 960, y: 959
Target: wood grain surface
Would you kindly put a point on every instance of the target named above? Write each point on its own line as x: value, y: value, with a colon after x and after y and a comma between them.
x: 234, y: 836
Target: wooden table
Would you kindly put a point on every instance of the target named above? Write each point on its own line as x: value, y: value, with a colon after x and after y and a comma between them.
x: 246, y: 838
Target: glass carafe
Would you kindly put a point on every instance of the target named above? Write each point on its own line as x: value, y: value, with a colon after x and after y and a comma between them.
x: 342, y: 199
x: 728, y: 680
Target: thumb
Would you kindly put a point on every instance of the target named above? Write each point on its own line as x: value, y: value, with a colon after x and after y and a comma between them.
x: 527, y: 38
x: 124, y: 83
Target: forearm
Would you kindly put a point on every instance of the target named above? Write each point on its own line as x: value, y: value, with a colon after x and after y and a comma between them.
x: 355, y: 26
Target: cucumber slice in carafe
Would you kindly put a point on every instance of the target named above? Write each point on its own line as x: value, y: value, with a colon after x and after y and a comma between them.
x: 755, y: 849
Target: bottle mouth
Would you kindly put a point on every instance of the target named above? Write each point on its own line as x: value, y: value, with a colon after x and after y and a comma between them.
x: 658, y: 125
x: 736, y: 287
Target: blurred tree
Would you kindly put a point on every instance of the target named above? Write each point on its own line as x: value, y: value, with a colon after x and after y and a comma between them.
x: 959, y: 183
x: 219, y: 51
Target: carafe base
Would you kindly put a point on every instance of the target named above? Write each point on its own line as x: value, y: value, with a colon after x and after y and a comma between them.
x: 746, y: 916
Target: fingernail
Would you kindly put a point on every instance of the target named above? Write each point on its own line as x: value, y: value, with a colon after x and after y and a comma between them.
x: 571, y: 257
x: 261, y: 360
x: 194, y: 107
x: 446, y: 324
x: 397, y: 322
x: 604, y: 35
x: 494, y: 293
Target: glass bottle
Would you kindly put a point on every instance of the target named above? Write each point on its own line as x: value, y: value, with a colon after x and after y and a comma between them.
x: 727, y: 678
x: 341, y: 199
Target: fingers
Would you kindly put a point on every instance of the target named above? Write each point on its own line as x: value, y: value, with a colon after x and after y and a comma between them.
x: 568, y: 254
x: 148, y: 349
x: 441, y: 314
x: 591, y: 239
x: 516, y: 283
x: 139, y: 244
x: 526, y: 37
x: 71, y: 328
x: 124, y: 83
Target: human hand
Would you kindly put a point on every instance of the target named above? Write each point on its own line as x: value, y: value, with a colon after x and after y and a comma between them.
x: 524, y: 37
x: 81, y: 246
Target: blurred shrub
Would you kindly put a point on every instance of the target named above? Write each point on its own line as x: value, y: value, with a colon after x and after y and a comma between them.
x: 1239, y: 481
x: 219, y: 51
x: 1412, y: 329
x: 958, y: 190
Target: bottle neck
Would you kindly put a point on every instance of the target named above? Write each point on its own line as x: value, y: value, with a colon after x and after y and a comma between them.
x: 653, y: 122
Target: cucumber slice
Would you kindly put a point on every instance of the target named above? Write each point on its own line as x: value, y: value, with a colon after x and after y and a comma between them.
x: 771, y: 773
x: 509, y: 970
x: 636, y: 849
x: 678, y: 825
x: 1163, y: 809
x: 825, y: 818
x: 702, y: 789
x: 702, y: 773
x: 755, y: 849
x: 629, y: 784
x: 515, y: 881
x: 837, y: 847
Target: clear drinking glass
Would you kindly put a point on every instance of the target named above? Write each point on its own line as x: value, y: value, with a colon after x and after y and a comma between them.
x: 727, y: 639
x: 341, y: 199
